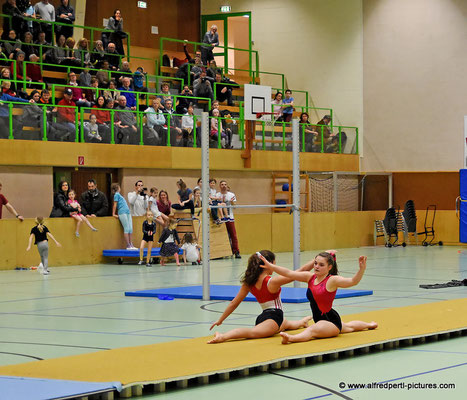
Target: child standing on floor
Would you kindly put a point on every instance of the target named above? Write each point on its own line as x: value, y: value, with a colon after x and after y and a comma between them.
x: 121, y: 211
x: 160, y: 218
x: 41, y: 234
x: 149, y: 229
x: 77, y: 214
x: 170, y: 242
x: 190, y: 250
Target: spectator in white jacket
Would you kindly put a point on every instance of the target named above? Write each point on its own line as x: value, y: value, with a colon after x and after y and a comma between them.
x: 138, y: 200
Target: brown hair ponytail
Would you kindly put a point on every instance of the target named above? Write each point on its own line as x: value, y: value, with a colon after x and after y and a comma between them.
x: 254, y: 269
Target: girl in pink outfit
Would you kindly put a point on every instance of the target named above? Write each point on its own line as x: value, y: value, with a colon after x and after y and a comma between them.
x: 77, y: 214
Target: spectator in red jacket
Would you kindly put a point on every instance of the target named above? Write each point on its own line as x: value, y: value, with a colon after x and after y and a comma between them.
x: 66, y: 116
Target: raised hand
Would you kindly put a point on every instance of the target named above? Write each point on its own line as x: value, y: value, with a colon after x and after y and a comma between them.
x: 362, y: 262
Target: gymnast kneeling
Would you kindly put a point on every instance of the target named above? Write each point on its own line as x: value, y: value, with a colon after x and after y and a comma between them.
x: 266, y: 289
x: 323, y: 282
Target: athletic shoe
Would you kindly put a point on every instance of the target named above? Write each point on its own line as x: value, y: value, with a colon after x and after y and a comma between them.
x: 194, y: 263
x: 225, y: 219
x: 148, y: 265
x: 237, y: 255
x: 77, y: 234
x: 45, y: 272
x: 40, y: 268
x: 141, y: 262
x: 94, y: 229
x: 133, y: 248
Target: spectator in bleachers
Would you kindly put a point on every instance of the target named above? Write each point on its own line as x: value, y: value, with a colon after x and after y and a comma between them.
x: 165, y: 93
x: 71, y: 54
x: 82, y: 54
x: 84, y: 78
x: 112, y: 93
x: 4, y: 110
x: 115, y: 23
x: 5, y: 74
x: 156, y: 123
x: 224, y: 88
x: 277, y: 106
x: 93, y: 202
x: 112, y: 56
x: 226, y: 127
x: 123, y: 72
x: 33, y: 117
x: 184, y: 102
x: 307, y: 131
x: 103, y: 76
x: 214, y: 128
x: 195, y: 64
x: 93, y: 92
x: 175, y: 124
x: 138, y: 81
x: 28, y: 46
x: 202, y: 87
x: 66, y: 15
x: 19, y: 67
x: 59, y: 53
x: 78, y: 96
x: 211, y: 38
x: 323, y: 133
x: 287, y: 111
x: 187, y: 127
x: 65, y: 126
x: 100, y: 110
x: 98, y: 54
x: 91, y: 129
x: 45, y: 97
x: 213, y: 70
x: 12, y: 46
x: 128, y: 93
x: 126, y: 123
x: 46, y: 12
x: 28, y: 11
x: 33, y: 70
x: 17, y: 22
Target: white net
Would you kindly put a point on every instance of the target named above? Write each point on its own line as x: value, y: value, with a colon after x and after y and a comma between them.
x: 323, y: 188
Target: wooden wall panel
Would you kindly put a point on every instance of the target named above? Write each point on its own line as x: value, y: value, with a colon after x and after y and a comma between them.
x: 176, y: 19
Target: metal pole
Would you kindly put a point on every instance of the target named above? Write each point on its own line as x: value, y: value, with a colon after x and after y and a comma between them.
x: 205, y: 202
x: 390, y: 190
x: 296, y: 196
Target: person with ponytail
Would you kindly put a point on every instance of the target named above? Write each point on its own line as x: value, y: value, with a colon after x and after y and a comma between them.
x: 323, y: 282
x: 266, y: 289
x: 41, y: 234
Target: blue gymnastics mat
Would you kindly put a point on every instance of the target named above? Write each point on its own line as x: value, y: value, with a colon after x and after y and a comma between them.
x: 19, y: 388
x: 228, y: 292
x: 155, y: 252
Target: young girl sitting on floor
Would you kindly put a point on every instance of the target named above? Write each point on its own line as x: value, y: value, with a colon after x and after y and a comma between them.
x: 170, y: 242
x: 322, y: 286
x: 77, y: 214
x: 267, y: 290
x: 149, y: 229
x: 190, y: 249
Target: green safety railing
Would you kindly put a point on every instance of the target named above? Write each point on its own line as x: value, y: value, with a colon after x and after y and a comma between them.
x: 296, y: 91
x: 55, y: 24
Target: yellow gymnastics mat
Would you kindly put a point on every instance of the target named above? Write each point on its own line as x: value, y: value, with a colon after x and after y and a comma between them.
x: 184, y: 359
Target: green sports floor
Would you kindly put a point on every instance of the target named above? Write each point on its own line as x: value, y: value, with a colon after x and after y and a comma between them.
x: 82, y: 309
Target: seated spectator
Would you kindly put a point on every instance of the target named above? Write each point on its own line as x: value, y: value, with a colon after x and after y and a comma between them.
x: 123, y: 72
x: 19, y: 67
x: 5, y: 74
x: 78, y: 96
x: 28, y: 46
x: 45, y: 12
x: 188, y: 128
x: 324, y: 134
x: 73, y: 57
x: 33, y: 117
x: 224, y: 88
x: 156, y: 125
x: 185, y: 198
x: 138, y: 81
x: 287, y: 111
x: 127, y: 132
x: 102, y: 114
x: 163, y: 203
x: 33, y: 70
x: 213, y: 70
x: 17, y: 21
x: 112, y: 93
x: 6, y: 95
x: 173, y: 124
x: 214, y: 131
x: 165, y: 93
x: 92, y: 130
x: 307, y: 132
x: 195, y: 64
x: 277, y: 106
x: 58, y: 54
x: 128, y: 93
x: 82, y: 54
x: 92, y: 93
x: 115, y: 23
x: 112, y: 57
x: 84, y: 78
x: 45, y: 97
x: 61, y: 208
x: 66, y: 118
x: 66, y: 15
x: 226, y: 125
x: 93, y: 202
x: 98, y: 55
x: 12, y: 45
x: 184, y: 102
x: 103, y: 75
x: 202, y: 87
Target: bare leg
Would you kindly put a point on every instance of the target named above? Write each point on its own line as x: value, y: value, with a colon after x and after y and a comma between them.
x: 88, y: 223
x: 141, y: 250
x: 162, y: 261
x: 291, y: 325
x: 264, y: 329
x: 322, y: 329
x: 355, y: 326
x: 127, y: 238
x: 176, y: 259
x: 78, y: 223
x: 148, y: 256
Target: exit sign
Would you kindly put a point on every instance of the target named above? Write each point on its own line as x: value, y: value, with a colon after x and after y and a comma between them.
x: 142, y: 4
x: 225, y: 8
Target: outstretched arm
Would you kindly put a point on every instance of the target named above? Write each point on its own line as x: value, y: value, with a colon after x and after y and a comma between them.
x: 242, y: 293
x: 302, y: 276
x: 11, y: 209
x: 30, y: 241
x: 337, y: 281
x: 55, y: 240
